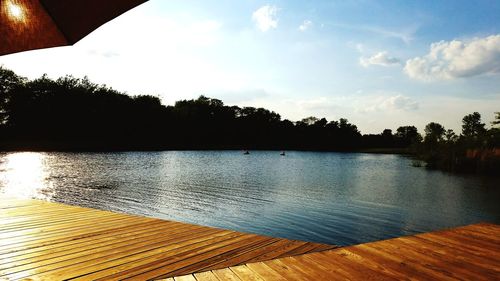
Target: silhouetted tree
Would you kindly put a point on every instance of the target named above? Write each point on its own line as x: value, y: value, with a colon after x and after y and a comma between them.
x: 76, y: 114
x: 434, y: 132
x: 450, y: 136
x: 474, y: 151
x: 9, y: 83
x: 309, y: 120
x: 472, y: 126
x: 407, y: 135
x: 497, y: 119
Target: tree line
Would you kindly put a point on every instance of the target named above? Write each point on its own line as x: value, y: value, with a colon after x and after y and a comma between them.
x: 70, y: 113
x: 73, y: 113
x: 476, y: 149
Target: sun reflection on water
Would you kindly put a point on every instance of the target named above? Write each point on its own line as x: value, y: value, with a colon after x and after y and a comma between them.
x: 24, y: 175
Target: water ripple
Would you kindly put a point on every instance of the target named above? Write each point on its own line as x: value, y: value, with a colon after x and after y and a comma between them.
x: 337, y: 198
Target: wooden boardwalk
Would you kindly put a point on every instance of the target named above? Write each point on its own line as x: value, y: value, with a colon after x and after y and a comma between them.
x: 49, y: 241
x: 465, y: 253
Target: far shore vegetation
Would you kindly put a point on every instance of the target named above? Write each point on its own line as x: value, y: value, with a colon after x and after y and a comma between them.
x: 72, y: 114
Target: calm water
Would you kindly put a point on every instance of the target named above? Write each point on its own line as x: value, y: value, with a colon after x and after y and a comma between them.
x: 338, y: 198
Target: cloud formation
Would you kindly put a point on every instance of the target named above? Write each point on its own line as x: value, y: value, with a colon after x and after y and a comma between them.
x: 266, y: 17
x: 386, y: 104
x: 399, y: 102
x: 381, y: 58
x: 405, y: 34
x: 305, y: 25
x: 457, y: 59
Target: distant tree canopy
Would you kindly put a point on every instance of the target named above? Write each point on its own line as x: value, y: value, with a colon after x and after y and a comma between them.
x: 472, y: 126
x: 497, y: 119
x: 408, y: 135
x: 434, y: 132
x: 75, y: 114
x: 476, y: 149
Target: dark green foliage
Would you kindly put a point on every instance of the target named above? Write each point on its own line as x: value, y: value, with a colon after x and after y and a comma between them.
x: 472, y: 126
x: 407, y: 136
x: 475, y: 150
x: 76, y: 114
x: 434, y: 133
x: 497, y: 119
x: 9, y: 82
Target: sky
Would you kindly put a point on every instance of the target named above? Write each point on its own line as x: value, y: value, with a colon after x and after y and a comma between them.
x: 380, y: 64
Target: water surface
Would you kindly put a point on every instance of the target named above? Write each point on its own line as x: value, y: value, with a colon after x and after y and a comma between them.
x: 337, y: 198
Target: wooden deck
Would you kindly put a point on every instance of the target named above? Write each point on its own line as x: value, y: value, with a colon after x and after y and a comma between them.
x: 50, y: 241
x: 465, y: 253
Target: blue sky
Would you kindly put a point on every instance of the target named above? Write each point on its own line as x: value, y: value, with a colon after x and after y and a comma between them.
x: 380, y: 64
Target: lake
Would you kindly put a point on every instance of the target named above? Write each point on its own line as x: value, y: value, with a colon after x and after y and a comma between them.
x: 336, y: 198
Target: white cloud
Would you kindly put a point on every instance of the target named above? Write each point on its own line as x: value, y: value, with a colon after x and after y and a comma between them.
x: 305, y: 25
x: 266, y: 17
x: 405, y: 34
x: 457, y: 59
x: 381, y: 58
x: 387, y: 104
x: 399, y: 102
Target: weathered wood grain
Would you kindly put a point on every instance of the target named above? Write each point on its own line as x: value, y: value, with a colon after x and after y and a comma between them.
x: 464, y: 253
x: 50, y: 241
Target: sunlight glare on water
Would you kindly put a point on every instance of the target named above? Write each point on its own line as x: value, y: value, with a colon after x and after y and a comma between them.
x: 24, y: 175
x: 336, y: 198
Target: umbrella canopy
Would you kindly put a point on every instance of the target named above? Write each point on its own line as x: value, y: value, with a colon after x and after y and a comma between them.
x: 35, y: 24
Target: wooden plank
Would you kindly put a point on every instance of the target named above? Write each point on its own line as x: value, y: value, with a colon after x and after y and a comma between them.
x: 448, y: 264
x: 60, y: 227
x: 443, y: 251
x: 246, y: 256
x: 380, y: 263
x: 81, y: 265
x: 331, y: 272
x: 226, y: 274
x: 368, y: 267
x: 185, y: 278
x: 286, y: 271
x: 234, y: 250
x: 47, y: 241
x: 465, y: 253
x: 410, y: 261
x: 206, y: 276
x: 194, y: 257
x: 265, y: 272
x: 322, y: 247
x: 307, y: 247
x: 279, y: 251
x: 94, y: 221
x: 95, y: 250
x: 327, y: 263
x: 36, y: 222
x: 122, y: 266
x: 82, y: 242
x: 80, y: 232
x: 456, y: 242
x: 245, y: 273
